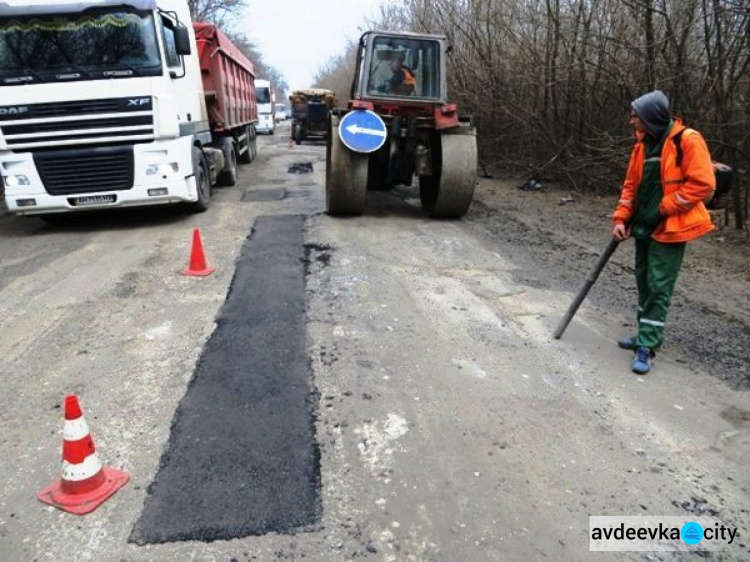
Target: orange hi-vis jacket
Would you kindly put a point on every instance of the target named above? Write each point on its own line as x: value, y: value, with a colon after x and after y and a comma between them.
x: 684, y: 187
x: 408, y: 85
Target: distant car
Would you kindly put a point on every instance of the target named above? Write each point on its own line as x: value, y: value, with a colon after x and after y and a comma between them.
x: 281, y: 112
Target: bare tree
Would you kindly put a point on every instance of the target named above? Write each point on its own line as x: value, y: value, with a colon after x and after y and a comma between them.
x: 219, y: 12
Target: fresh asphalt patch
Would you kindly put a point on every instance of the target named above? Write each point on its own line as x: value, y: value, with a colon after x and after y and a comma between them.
x: 242, y: 458
x: 263, y: 194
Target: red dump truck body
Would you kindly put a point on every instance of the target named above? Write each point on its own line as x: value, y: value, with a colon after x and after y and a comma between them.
x: 228, y: 80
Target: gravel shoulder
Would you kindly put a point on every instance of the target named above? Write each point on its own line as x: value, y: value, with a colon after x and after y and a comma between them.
x: 556, y: 237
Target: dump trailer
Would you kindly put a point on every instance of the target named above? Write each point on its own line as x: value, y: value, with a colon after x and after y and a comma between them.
x: 102, y: 106
x: 310, y: 112
x: 399, y: 125
x: 228, y: 78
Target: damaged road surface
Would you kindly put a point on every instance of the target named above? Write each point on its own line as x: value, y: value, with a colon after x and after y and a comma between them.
x: 381, y: 388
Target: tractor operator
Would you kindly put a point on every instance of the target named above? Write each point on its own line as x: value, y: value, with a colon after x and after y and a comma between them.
x: 403, y: 81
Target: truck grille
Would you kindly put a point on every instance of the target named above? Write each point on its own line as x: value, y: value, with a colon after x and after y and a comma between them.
x: 65, y: 172
x: 77, y: 122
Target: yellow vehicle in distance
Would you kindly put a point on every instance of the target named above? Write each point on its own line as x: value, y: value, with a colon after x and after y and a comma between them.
x: 310, y: 113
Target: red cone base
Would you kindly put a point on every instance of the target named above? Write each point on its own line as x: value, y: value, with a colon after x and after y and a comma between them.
x: 86, y: 502
x: 198, y: 266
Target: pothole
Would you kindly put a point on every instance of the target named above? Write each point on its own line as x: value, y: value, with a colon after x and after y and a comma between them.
x: 301, y: 168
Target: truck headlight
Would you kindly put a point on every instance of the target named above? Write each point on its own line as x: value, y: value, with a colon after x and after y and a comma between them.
x: 162, y: 169
x: 16, y: 180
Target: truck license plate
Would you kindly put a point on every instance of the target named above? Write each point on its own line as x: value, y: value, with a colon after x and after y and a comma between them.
x: 93, y: 200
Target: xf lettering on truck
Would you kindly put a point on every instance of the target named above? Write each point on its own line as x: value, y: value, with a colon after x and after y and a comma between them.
x: 139, y: 101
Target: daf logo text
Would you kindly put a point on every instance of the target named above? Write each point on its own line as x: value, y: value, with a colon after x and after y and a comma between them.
x: 14, y: 110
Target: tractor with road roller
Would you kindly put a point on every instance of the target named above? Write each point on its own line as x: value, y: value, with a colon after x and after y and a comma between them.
x: 398, y: 126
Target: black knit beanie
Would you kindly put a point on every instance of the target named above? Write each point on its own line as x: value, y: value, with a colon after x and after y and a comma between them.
x: 653, y: 111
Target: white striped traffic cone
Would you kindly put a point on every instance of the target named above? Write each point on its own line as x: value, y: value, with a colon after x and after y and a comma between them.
x: 85, y: 483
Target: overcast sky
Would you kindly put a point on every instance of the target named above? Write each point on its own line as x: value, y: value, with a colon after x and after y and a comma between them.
x: 297, y: 36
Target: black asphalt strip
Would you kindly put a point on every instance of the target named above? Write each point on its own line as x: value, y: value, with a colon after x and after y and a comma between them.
x: 263, y: 194
x: 242, y: 457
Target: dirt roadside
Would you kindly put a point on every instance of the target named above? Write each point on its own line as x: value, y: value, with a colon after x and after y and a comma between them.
x: 557, y: 235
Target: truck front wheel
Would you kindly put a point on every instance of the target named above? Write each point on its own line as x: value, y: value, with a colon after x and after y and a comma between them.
x: 202, y: 182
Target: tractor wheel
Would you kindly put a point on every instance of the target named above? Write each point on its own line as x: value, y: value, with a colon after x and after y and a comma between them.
x: 346, y: 176
x: 448, y: 192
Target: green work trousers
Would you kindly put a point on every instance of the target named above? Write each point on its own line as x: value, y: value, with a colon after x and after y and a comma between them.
x: 656, y: 268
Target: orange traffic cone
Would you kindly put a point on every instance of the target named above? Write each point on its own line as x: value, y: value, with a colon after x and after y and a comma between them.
x: 198, y: 266
x: 85, y: 483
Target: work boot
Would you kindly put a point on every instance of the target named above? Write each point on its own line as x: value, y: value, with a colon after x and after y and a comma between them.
x: 627, y: 343
x: 642, y: 361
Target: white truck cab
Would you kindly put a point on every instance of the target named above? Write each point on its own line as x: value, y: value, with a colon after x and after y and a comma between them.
x: 266, y: 107
x: 101, y: 106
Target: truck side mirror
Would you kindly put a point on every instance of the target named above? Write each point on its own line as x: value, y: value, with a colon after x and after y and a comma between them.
x: 182, y: 40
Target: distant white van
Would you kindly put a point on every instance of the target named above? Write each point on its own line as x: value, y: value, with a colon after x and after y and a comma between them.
x: 281, y: 112
x: 265, y: 99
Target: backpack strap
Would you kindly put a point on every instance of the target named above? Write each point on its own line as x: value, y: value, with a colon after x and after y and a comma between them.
x: 678, y: 146
x: 678, y: 160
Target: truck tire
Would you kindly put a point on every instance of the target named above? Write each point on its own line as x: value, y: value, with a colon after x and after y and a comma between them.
x: 254, y: 144
x: 202, y: 181
x: 247, y: 156
x: 448, y: 192
x: 346, y: 176
x: 298, y: 134
x: 228, y: 176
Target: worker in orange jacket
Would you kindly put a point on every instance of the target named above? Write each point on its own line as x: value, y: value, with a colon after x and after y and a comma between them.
x: 402, y: 81
x: 669, y: 176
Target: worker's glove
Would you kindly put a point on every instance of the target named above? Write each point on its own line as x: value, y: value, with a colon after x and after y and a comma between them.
x: 652, y: 218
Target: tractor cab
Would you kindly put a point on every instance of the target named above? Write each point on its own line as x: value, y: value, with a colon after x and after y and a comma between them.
x: 402, y: 67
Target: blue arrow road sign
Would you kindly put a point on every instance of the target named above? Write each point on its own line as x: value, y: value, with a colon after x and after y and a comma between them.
x: 362, y: 131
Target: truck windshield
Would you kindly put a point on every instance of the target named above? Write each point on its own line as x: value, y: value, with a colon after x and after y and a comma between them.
x: 263, y: 94
x: 100, y: 44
